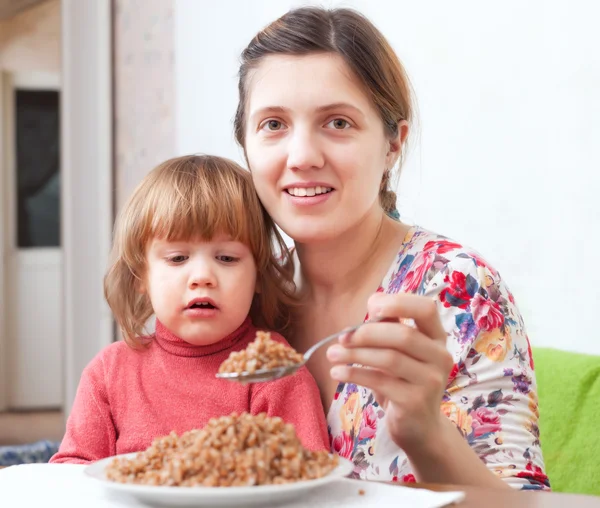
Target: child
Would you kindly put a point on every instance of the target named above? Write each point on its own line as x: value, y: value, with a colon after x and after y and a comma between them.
x: 193, y: 246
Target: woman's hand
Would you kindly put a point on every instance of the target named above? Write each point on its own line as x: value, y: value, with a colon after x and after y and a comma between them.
x: 407, y: 367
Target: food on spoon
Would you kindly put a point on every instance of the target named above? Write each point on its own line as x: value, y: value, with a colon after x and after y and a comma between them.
x: 244, y: 450
x: 262, y: 353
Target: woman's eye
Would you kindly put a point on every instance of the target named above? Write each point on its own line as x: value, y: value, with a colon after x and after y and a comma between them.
x: 272, y: 125
x: 339, y: 124
x: 177, y: 259
x: 227, y: 259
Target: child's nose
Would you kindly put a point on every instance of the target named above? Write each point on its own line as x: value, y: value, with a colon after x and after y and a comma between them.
x: 202, y: 276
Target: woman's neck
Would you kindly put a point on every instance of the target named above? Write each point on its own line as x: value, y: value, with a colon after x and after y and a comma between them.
x: 343, y: 264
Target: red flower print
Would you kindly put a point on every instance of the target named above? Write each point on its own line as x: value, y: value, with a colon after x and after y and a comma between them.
x: 419, y: 268
x: 453, y: 373
x: 530, y: 353
x: 484, y: 421
x: 343, y: 445
x: 460, y: 290
x: 534, y: 473
x: 486, y: 314
x: 443, y: 246
x: 368, y: 425
x: 409, y: 478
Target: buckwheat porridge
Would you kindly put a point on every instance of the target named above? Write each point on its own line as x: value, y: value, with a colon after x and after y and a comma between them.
x: 262, y: 353
x: 235, y: 450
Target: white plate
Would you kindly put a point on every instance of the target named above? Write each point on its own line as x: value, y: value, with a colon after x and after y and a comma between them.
x: 213, y: 496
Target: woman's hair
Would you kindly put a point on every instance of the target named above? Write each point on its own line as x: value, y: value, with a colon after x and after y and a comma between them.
x: 365, y: 50
x: 188, y: 198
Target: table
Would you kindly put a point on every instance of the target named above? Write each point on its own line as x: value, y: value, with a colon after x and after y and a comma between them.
x: 476, y: 497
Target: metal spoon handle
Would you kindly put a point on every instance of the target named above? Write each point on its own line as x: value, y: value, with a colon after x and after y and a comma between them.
x: 324, y: 341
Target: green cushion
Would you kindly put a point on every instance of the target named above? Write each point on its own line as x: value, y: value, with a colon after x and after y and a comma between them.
x: 569, y: 402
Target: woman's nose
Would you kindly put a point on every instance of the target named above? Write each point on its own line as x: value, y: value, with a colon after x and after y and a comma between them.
x: 304, y: 152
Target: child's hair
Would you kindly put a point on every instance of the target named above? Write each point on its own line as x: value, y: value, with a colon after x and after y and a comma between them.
x: 196, y: 196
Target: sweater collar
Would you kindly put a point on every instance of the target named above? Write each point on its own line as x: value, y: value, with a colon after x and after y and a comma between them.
x: 172, y: 344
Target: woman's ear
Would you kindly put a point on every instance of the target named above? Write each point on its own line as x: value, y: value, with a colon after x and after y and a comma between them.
x: 396, y: 144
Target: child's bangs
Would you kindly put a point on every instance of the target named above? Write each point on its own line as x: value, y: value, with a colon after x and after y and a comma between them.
x: 188, y: 210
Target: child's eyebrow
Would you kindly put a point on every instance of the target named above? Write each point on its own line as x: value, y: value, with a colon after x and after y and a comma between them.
x: 223, y: 237
x: 166, y: 244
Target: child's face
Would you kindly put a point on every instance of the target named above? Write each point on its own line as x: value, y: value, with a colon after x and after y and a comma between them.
x: 201, y: 291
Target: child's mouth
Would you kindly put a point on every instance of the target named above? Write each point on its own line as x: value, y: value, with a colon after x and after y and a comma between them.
x: 202, y: 305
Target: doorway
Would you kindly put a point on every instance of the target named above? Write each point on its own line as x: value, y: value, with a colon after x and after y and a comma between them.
x: 32, y: 253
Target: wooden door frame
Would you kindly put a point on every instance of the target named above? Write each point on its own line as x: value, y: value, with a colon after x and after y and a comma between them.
x: 5, y: 163
x: 87, y: 181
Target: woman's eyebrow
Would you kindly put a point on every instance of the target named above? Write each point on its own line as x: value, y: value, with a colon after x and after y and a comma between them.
x: 339, y: 105
x: 321, y: 109
x: 268, y: 110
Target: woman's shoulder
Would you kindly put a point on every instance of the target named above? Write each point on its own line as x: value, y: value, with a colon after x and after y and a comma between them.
x: 420, y: 241
x: 425, y: 255
x: 476, y: 305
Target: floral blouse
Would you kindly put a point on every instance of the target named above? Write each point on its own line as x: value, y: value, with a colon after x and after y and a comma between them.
x: 491, y: 392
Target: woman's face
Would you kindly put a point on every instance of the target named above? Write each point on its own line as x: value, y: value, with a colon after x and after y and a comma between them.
x: 315, y: 145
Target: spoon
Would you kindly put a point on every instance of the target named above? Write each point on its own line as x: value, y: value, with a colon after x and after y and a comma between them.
x: 262, y: 375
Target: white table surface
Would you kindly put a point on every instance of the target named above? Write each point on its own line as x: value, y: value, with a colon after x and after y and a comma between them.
x: 66, y: 486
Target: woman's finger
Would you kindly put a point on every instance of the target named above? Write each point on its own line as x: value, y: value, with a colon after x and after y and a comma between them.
x: 405, y: 339
x: 390, y: 361
x: 422, y: 310
x: 394, y: 364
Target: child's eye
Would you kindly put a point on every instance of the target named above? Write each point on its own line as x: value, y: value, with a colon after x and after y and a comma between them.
x: 228, y: 259
x: 177, y: 259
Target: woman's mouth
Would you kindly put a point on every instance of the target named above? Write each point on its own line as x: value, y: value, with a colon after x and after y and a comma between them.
x: 301, y: 192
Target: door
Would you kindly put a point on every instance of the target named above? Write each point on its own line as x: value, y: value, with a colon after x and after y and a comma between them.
x: 32, y: 247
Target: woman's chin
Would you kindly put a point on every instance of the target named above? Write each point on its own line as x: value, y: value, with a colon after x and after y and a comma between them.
x: 314, y: 230
x: 327, y: 227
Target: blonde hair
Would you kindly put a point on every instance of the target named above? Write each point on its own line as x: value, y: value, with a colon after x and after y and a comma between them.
x: 196, y: 196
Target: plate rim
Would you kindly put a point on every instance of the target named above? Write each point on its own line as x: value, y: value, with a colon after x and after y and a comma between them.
x: 341, y: 472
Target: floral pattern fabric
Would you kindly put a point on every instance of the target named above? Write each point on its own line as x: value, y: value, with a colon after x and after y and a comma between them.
x: 491, y: 392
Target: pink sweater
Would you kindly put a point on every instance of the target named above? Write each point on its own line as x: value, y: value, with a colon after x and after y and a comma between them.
x: 127, y: 398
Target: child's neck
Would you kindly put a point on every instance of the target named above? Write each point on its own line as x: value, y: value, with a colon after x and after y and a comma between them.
x: 172, y: 344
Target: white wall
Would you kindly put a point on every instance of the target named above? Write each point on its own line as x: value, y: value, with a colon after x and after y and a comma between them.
x: 508, y: 157
x: 144, y: 90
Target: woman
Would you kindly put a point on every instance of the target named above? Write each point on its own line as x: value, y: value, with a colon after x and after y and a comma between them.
x: 324, y: 114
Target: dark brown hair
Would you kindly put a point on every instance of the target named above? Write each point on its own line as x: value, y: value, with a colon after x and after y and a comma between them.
x: 195, y: 196
x: 365, y: 50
